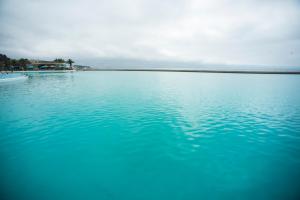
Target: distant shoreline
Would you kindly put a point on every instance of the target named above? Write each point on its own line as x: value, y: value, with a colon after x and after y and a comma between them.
x: 203, y: 71
x: 168, y: 70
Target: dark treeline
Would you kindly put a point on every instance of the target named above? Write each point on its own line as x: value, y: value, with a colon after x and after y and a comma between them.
x: 9, y: 64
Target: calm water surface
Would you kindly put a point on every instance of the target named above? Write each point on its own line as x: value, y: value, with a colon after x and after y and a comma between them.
x: 150, y: 135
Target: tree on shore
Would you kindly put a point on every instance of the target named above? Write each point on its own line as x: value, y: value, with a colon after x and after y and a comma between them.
x: 4, y: 62
x: 70, y: 62
x: 59, y: 60
x: 23, y: 62
x: 7, y: 64
x: 14, y: 63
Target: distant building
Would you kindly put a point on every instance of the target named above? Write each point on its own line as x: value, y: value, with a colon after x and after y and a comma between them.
x: 49, y: 65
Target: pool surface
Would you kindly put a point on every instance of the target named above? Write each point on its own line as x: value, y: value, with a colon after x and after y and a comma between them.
x: 150, y: 135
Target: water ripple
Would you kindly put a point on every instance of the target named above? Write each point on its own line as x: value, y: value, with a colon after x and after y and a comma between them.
x: 218, y: 132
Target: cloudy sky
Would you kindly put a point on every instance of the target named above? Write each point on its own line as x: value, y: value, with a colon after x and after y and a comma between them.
x: 255, y: 32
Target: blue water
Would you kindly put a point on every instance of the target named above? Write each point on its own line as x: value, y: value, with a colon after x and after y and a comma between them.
x: 150, y: 135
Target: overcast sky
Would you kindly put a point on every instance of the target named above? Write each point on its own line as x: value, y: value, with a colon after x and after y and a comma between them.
x: 257, y: 32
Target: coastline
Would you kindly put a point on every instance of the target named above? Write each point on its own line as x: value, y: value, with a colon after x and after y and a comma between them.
x: 168, y: 70
x: 203, y: 71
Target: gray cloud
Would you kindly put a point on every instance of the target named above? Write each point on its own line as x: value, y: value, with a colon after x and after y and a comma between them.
x: 258, y: 32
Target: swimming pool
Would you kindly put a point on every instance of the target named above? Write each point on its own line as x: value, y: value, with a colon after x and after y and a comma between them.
x: 151, y: 135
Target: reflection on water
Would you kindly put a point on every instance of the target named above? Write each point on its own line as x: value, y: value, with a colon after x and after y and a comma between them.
x: 151, y: 135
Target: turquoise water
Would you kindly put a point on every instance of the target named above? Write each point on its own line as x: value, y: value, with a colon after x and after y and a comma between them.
x: 150, y: 135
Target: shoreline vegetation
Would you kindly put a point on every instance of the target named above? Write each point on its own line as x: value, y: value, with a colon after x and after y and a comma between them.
x: 23, y: 64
